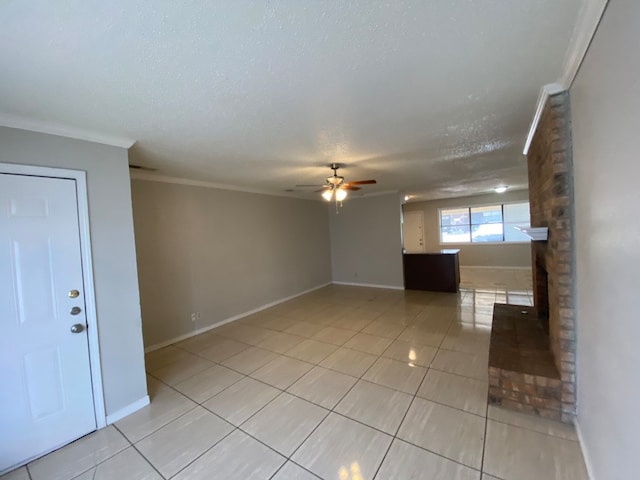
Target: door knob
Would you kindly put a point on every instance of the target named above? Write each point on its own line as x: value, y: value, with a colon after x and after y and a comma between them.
x: 73, y: 293
x: 75, y: 310
x: 77, y: 328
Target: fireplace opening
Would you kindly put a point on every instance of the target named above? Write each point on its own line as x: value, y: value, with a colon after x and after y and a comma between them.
x: 540, y: 282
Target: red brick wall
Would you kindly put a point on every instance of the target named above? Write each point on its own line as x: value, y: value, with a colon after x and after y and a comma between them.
x: 550, y: 164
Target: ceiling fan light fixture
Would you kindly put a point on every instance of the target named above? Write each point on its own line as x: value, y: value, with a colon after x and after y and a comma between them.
x: 341, y: 194
x: 327, y: 195
x: 335, y: 188
x: 335, y: 180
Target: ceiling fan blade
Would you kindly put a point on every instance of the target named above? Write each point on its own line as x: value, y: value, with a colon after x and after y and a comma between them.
x: 349, y: 187
x: 142, y: 167
x: 311, y: 186
x: 362, y: 182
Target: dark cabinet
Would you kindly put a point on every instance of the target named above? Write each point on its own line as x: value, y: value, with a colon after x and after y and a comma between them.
x: 434, y: 271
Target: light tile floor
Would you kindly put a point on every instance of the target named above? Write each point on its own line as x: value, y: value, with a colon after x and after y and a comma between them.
x: 343, y: 383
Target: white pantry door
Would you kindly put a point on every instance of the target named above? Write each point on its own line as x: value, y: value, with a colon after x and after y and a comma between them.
x: 412, y: 232
x: 46, y: 397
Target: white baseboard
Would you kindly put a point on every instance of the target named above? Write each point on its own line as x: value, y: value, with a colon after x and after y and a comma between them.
x: 184, y: 336
x: 368, y: 285
x: 179, y: 338
x: 585, y: 453
x: 128, y: 410
x: 487, y: 267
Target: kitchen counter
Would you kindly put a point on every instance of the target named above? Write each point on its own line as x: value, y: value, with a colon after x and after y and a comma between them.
x: 437, y: 271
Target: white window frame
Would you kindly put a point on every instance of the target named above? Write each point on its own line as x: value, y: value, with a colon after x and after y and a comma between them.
x: 469, y: 207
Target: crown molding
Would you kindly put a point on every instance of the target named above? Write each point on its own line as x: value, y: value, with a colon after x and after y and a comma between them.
x: 545, y: 93
x: 152, y: 177
x: 50, y: 128
x: 588, y: 20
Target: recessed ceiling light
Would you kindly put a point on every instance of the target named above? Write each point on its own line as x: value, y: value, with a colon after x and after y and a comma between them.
x: 407, y: 198
x: 500, y: 189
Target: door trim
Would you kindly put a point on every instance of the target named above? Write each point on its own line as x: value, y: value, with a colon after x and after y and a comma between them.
x: 80, y: 178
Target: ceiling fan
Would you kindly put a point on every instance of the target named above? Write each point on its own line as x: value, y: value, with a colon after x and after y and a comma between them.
x: 141, y: 167
x: 335, y: 187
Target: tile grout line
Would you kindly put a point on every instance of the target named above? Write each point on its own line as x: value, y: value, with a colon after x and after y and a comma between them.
x: 313, y: 365
x: 296, y: 464
x: 205, y: 452
x: 289, y: 458
x: 395, y: 436
x: 558, y: 437
x: 484, y: 439
x: 215, y: 414
x: 332, y: 410
x: 358, y: 379
x: 234, y: 427
x: 249, y: 345
x: 140, y: 453
x: 96, y: 464
x: 361, y: 379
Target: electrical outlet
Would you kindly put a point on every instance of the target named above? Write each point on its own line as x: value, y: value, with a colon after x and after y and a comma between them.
x: 197, y: 315
x: 194, y: 317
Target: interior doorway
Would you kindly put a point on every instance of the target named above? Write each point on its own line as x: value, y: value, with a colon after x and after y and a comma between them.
x: 413, y: 232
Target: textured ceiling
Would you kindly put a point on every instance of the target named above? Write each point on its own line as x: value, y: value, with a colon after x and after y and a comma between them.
x: 432, y: 98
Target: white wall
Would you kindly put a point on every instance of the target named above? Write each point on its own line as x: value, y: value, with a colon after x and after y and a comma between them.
x: 507, y: 255
x: 366, y: 245
x: 112, y: 246
x: 222, y: 253
x: 605, y: 100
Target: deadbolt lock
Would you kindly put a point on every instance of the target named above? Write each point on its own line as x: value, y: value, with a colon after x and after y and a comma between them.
x: 73, y: 293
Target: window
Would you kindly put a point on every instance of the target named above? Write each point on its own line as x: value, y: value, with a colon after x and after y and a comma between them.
x: 516, y: 215
x: 485, y: 224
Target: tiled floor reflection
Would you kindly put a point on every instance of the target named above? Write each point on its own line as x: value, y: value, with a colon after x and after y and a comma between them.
x: 487, y: 285
x: 344, y: 383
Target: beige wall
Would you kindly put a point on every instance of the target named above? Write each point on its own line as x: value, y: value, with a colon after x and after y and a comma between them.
x: 222, y: 253
x: 605, y: 103
x: 366, y: 244
x: 507, y: 255
x: 113, y: 250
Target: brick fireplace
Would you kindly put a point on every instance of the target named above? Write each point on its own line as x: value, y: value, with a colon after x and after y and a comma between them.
x: 532, y: 356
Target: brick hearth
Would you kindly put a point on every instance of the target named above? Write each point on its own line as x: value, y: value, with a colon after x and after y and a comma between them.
x: 522, y: 372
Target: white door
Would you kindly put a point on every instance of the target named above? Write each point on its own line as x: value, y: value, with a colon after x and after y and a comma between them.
x: 46, y: 398
x: 412, y: 232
